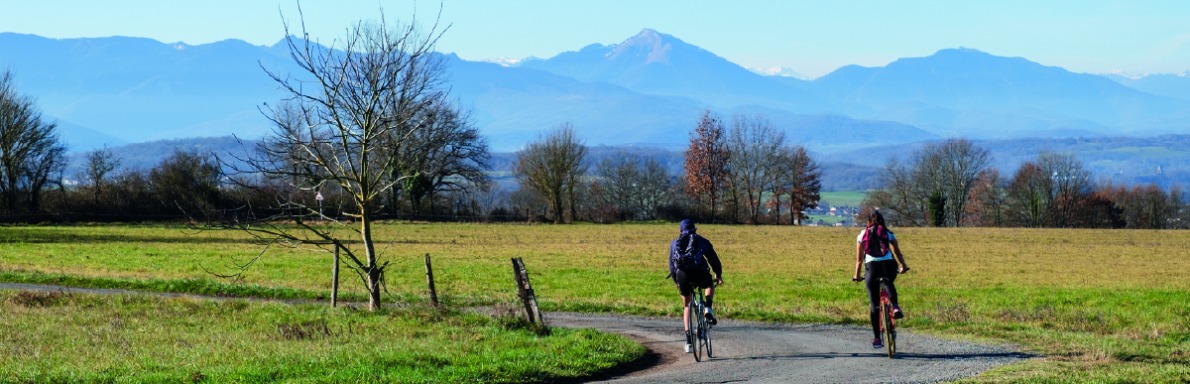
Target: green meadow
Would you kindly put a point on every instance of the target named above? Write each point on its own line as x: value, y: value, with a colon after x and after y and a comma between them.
x: 843, y: 198
x: 70, y: 337
x: 1094, y: 305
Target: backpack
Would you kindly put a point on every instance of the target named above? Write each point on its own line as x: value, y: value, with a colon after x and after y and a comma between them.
x: 688, y: 256
x: 875, y: 242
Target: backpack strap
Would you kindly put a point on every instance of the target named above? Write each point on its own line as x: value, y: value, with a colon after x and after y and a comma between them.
x: 882, y: 234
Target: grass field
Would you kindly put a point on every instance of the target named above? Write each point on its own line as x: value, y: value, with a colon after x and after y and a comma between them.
x: 1099, y: 305
x: 131, y: 338
x: 844, y: 198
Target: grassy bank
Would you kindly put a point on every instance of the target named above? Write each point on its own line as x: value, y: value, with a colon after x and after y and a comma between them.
x: 57, y: 337
x: 1107, y: 304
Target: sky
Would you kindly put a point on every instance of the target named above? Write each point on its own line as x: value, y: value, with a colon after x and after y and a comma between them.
x: 812, y: 38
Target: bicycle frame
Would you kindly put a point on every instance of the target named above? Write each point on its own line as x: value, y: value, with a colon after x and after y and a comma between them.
x: 888, y: 325
x: 697, y: 323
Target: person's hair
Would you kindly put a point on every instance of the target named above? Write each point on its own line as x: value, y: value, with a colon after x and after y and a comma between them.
x: 876, y: 218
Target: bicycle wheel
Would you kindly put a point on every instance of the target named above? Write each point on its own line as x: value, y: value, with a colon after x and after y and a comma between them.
x: 706, y: 337
x: 694, y: 325
x: 890, y: 330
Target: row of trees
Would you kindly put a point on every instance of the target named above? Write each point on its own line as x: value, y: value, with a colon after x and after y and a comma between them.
x: 746, y: 174
x: 185, y: 184
x: 439, y: 159
x: 437, y: 169
x: 750, y: 171
x: 951, y: 184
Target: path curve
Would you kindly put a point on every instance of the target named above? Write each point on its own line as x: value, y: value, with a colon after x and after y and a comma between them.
x: 792, y: 353
x: 754, y: 352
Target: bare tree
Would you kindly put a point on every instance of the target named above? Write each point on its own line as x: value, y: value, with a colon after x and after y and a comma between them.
x: 655, y: 189
x: 961, y: 162
x: 754, y: 144
x: 552, y: 167
x: 529, y: 203
x: 1028, y: 196
x: 944, y: 174
x: 936, y: 185
x: 706, y: 160
x: 444, y: 153
x: 187, y: 181
x: 614, y: 187
x: 1178, y: 217
x: 30, y: 150
x: 1049, y: 191
x: 900, y: 197
x: 798, y: 179
x: 985, y: 206
x: 338, y: 128
x: 1146, y: 207
x: 100, y: 164
x: 630, y: 187
x: 1070, y: 183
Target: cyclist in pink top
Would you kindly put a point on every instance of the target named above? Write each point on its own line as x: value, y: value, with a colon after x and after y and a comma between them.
x: 877, y: 250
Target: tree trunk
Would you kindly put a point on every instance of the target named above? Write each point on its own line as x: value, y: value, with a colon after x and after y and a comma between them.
x: 373, y: 271
x: 793, y: 213
x: 558, y: 208
x: 573, y: 203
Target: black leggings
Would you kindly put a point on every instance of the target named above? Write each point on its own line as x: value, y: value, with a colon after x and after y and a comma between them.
x: 876, y: 270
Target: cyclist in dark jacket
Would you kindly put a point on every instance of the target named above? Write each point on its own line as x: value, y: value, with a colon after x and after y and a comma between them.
x: 689, y: 278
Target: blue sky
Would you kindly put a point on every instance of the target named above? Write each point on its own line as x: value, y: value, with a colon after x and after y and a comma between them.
x: 810, y: 37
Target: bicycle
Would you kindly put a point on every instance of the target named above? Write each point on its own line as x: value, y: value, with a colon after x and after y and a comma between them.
x: 888, y: 322
x: 697, y: 323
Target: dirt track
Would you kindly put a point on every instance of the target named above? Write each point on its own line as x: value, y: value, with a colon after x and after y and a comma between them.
x: 760, y: 352
x: 767, y: 353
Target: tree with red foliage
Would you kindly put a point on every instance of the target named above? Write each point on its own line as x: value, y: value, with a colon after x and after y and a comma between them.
x: 706, y: 160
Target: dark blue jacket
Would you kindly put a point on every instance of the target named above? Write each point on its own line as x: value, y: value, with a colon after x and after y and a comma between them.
x: 704, y: 244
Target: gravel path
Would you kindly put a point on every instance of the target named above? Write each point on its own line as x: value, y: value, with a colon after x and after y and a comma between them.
x: 758, y: 352
x: 780, y: 353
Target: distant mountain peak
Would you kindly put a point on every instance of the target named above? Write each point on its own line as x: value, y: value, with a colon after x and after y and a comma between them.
x: 962, y: 52
x: 963, y: 57
x: 648, y: 34
x: 779, y: 72
x: 649, y: 46
x: 505, y: 61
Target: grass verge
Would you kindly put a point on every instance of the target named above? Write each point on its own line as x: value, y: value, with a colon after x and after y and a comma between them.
x: 71, y: 337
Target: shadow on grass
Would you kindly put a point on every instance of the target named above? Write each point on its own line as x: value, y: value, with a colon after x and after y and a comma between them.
x: 179, y: 237
x: 17, y: 235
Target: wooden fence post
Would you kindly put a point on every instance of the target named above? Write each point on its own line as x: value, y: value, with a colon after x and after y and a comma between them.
x: 430, y: 280
x: 525, y: 291
x: 335, y: 279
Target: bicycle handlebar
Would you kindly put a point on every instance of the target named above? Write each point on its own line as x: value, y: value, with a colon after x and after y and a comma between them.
x: 859, y: 279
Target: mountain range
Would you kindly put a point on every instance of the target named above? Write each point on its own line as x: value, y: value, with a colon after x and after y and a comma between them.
x: 648, y: 90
